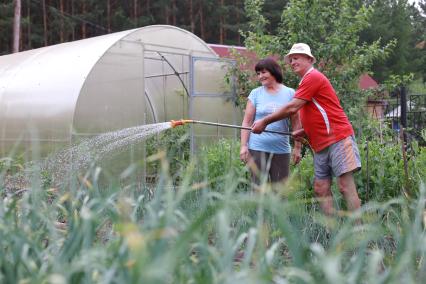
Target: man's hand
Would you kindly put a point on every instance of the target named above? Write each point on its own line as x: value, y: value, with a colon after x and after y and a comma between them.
x: 299, y: 135
x: 258, y: 126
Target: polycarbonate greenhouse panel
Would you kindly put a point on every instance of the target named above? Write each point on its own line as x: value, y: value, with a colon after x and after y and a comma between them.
x: 169, y: 39
x: 209, y: 77
x: 39, y: 88
x: 166, y: 85
x: 112, y: 96
x: 213, y: 109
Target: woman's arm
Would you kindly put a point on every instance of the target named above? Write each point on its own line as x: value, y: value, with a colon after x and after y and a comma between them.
x: 248, y: 119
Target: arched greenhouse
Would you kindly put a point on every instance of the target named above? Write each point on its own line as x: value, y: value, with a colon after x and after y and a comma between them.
x: 57, y: 94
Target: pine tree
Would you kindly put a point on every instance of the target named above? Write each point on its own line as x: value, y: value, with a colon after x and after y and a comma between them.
x: 6, y: 26
x: 16, y: 26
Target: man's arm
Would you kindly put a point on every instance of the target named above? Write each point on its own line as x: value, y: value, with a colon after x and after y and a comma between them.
x: 296, y: 154
x: 289, y: 109
x: 295, y: 121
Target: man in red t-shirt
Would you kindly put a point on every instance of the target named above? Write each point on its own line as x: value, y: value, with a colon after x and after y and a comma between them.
x: 326, y: 126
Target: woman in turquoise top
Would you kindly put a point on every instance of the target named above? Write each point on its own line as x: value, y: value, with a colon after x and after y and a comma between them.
x: 269, y: 153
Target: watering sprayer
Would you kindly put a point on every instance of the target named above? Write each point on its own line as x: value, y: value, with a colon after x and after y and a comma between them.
x: 175, y: 123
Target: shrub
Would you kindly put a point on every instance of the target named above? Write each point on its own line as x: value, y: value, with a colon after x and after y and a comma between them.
x: 221, y: 159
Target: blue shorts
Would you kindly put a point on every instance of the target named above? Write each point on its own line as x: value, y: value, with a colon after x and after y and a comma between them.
x: 337, y: 159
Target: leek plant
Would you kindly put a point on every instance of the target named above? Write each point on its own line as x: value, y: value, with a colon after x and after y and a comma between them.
x: 199, y: 231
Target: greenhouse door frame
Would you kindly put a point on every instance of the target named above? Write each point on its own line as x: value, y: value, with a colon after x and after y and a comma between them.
x: 193, y: 94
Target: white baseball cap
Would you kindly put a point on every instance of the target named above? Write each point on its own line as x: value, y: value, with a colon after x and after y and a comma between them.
x: 299, y: 48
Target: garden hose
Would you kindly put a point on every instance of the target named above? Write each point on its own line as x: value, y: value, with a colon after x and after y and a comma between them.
x: 175, y: 123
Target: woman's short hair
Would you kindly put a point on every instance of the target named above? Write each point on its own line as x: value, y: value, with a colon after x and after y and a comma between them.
x: 272, y: 66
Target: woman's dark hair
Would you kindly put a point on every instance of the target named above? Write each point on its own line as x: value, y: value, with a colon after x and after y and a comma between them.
x: 272, y: 66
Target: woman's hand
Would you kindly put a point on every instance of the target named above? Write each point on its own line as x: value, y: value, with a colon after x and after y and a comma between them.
x: 244, y: 153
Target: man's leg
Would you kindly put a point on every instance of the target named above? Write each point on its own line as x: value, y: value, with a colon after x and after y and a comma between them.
x: 322, y: 189
x: 347, y: 187
x: 346, y: 160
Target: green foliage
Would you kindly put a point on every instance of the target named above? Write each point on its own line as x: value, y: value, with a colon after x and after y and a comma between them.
x: 254, y: 11
x: 302, y: 177
x: 382, y: 177
x: 417, y: 87
x: 175, y: 144
x: 220, y: 158
x: 6, y: 24
x: 417, y: 162
x: 92, y: 234
x: 11, y: 165
x: 215, y: 21
x: 332, y: 30
x: 396, y: 81
x: 257, y: 39
x: 396, y: 20
x: 225, y: 21
x: 242, y: 77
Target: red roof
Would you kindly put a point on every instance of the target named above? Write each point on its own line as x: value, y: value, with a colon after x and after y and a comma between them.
x: 366, y: 82
x: 228, y: 51
x: 225, y: 51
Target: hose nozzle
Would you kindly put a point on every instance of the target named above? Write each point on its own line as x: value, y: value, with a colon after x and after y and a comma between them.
x: 175, y: 123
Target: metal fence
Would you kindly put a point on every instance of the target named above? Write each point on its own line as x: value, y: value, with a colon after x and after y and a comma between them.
x: 407, y: 110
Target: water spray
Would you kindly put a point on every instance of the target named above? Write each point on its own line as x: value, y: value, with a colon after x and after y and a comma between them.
x: 175, y: 123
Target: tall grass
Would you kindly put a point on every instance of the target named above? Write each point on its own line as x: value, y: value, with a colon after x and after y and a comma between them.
x: 192, y: 231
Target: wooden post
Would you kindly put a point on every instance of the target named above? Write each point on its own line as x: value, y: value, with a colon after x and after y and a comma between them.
x: 367, y: 193
x: 403, y: 111
x: 62, y: 24
x: 43, y: 5
x: 404, y: 158
x: 29, y: 24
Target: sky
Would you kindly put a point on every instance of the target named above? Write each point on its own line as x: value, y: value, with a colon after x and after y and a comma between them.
x: 413, y: 1
x: 417, y: 4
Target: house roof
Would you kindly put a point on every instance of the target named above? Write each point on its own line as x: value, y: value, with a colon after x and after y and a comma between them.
x: 225, y: 51
x: 366, y: 82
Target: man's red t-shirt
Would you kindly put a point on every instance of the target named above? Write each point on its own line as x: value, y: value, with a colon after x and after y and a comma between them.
x: 322, y: 117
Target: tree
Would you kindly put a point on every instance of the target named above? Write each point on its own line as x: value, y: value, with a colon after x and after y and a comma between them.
x: 62, y: 25
x: 45, y: 32
x: 17, y: 26
x: 201, y: 16
x: 399, y: 21
x: 191, y: 16
x: 331, y: 28
x: 6, y: 26
x: 28, y: 24
x: 418, y: 55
